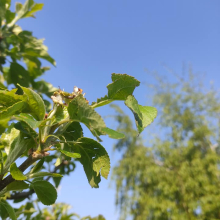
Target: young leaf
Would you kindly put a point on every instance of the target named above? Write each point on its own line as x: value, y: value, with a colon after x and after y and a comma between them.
x: 16, y: 173
x: 122, y: 86
x: 70, y: 154
x: 112, y: 133
x: 41, y: 174
x: 17, y: 185
x: 144, y: 115
x: 45, y: 191
x: 36, y: 105
x: 9, y: 98
x: 26, y: 10
x: 101, y: 102
x: 30, y: 120
x: 8, y: 208
x: 10, y: 111
x: 38, y: 166
x: 94, y: 158
x: 19, y: 145
x: 80, y: 111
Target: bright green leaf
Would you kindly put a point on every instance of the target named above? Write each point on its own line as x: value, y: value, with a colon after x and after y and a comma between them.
x: 14, y: 109
x: 16, y: 173
x: 36, y: 105
x: 17, y: 147
x: 45, y: 191
x: 42, y: 174
x: 70, y: 154
x: 35, y: 8
x: 144, y: 115
x: 112, y: 133
x: 9, y: 98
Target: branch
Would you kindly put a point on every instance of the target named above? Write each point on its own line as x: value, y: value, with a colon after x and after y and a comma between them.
x: 21, y: 195
x: 9, y: 179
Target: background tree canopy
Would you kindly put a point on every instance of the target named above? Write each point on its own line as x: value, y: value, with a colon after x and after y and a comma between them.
x: 177, y: 177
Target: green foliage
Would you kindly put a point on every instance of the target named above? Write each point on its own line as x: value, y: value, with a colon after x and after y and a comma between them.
x: 6, y: 210
x: 45, y: 191
x: 48, y: 139
x: 177, y: 176
x: 59, y: 211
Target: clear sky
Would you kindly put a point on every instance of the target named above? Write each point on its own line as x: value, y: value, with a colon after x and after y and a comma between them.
x: 92, y: 39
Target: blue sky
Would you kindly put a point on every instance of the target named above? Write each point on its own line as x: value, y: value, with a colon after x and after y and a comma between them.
x: 92, y: 39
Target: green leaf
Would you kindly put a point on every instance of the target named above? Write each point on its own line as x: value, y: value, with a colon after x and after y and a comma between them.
x: 10, y: 111
x: 101, y: 102
x: 73, y: 132
x: 36, y: 105
x: 16, y: 173
x: 19, y: 75
x: 149, y: 114
x: 38, y: 166
x: 26, y: 10
x: 144, y: 115
x: 28, y: 119
x: 112, y: 133
x: 41, y: 174
x: 26, y: 129
x: 18, y: 6
x: 8, y: 138
x: 9, y: 98
x: 61, y: 114
x: 94, y: 158
x: 17, y: 185
x: 17, y: 147
x: 35, y: 8
x: 45, y: 191
x: 122, y: 86
x: 44, y: 88
x: 80, y: 111
x: 70, y: 154
x: 8, y: 208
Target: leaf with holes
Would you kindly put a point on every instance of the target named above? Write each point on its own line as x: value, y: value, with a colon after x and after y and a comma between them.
x: 94, y: 158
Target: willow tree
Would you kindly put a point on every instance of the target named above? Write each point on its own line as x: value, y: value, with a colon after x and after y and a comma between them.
x: 177, y: 176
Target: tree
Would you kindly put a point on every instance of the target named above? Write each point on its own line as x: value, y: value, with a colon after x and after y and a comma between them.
x: 178, y: 176
x: 50, y: 140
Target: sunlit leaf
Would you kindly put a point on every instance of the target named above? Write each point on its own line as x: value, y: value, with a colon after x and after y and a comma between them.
x: 16, y: 173
x: 94, y: 158
x: 80, y: 111
x: 144, y: 115
x: 36, y: 105
x: 42, y: 174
